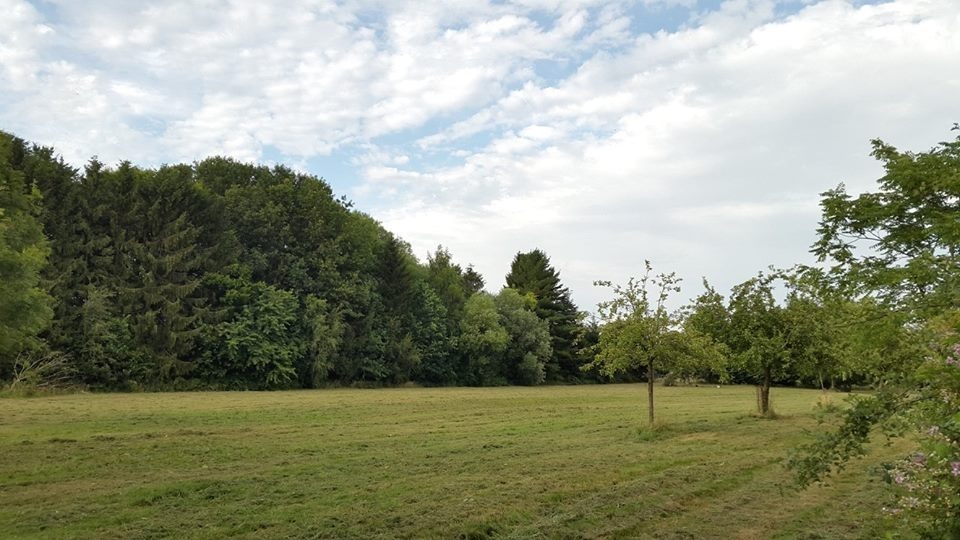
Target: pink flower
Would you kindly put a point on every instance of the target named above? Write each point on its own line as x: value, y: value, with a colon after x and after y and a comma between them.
x: 954, y: 359
x: 955, y: 468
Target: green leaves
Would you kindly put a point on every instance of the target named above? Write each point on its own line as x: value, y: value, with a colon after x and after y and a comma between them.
x: 903, y: 241
x: 228, y: 274
x: 532, y: 273
x: 529, y: 349
x: 830, y: 451
x: 483, y: 341
x: 758, y: 327
x: 258, y: 343
x: 25, y: 308
x: 898, y: 249
x: 639, y: 332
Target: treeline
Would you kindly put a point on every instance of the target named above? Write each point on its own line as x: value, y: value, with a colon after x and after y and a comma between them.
x: 222, y: 274
x: 229, y: 275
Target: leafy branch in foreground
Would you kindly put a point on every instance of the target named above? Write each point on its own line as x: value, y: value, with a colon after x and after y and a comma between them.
x: 910, y: 263
x: 830, y: 451
x: 927, y: 482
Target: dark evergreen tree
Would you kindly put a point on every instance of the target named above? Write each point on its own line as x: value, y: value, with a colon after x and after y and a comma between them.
x: 159, y: 250
x: 446, y: 278
x: 395, y: 272
x: 91, y: 268
x: 472, y: 281
x: 398, y: 294
x: 532, y: 273
x: 162, y: 276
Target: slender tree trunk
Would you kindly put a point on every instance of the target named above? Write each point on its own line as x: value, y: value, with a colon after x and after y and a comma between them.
x: 650, y: 392
x: 765, y: 393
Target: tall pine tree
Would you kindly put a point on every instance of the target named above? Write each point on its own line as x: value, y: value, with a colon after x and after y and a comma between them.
x: 167, y: 263
x: 532, y: 273
x: 397, y: 292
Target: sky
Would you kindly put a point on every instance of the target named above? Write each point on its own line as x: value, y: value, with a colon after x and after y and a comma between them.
x: 697, y: 134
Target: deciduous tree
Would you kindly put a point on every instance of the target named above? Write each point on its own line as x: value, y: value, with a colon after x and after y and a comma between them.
x: 528, y: 349
x: 911, y: 230
x: 25, y: 308
x: 758, y: 334
x: 483, y: 341
x: 639, y: 331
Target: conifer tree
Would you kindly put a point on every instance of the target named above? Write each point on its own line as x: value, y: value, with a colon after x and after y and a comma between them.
x: 532, y: 273
x: 397, y: 292
x: 89, y: 268
x: 446, y: 278
x: 472, y: 281
x: 166, y: 263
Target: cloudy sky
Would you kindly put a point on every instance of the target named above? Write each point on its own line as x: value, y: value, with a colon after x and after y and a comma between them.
x: 694, y: 133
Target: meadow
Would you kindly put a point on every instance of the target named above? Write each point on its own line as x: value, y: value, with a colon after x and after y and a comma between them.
x: 512, y: 462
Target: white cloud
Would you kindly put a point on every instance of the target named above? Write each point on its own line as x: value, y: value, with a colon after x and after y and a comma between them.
x: 23, y: 33
x: 704, y: 149
x: 307, y: 77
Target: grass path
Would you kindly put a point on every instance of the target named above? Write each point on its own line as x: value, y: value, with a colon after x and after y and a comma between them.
x: 550, y: 462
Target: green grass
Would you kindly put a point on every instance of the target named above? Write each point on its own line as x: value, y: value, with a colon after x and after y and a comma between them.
x: 550, y: 462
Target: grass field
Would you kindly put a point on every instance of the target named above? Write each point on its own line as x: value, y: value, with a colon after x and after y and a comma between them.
x: 549, y: 462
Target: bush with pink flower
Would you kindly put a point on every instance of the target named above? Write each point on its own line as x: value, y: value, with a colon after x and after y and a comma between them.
x: 926, y: 406
x: 928, y: 482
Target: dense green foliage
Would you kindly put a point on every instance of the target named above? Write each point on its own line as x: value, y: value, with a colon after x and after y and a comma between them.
x: 25, y: 306
x: 532, y: 273
x: 529, y: 350
x: 911, y: 270
x: 222, y: 274
x: 902, y: 242
x: 227, y: 275
x: 640, y: 333
x: 758, y: 335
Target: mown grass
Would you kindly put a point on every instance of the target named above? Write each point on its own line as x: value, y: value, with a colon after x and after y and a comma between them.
x: 551, y: 462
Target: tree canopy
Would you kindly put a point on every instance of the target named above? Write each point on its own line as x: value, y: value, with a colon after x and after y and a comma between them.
x: 641, y: 333
x: 25, y: 309
x: 901, y: 242
x: 223, y: 274
x: 911, y: 228
x: 532, y: 273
